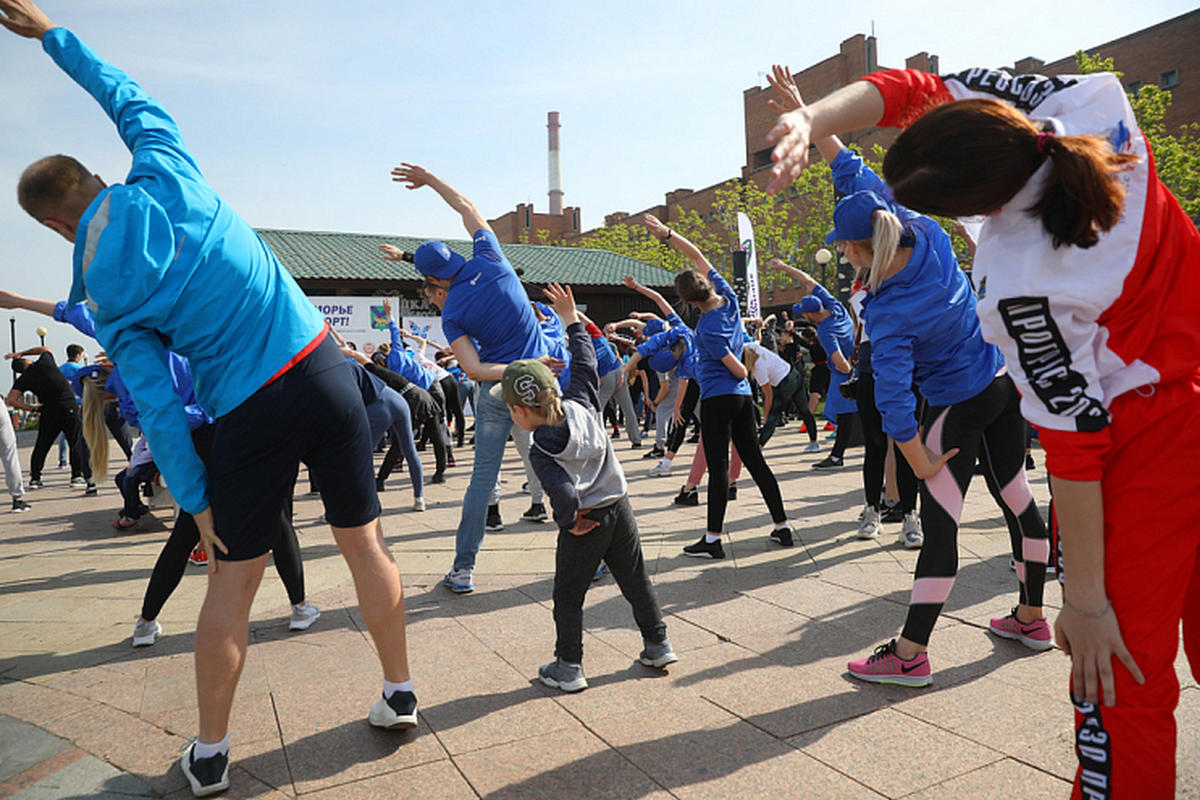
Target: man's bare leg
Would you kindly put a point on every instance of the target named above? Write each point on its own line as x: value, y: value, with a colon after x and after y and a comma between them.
x: 221, y: 634
x: 380, y: 594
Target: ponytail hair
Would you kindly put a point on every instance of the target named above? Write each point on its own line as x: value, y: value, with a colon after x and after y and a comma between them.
x: 549, y: 406
x: 883, y: 244
x: 973, y: 156
x: 749, y: 358
x: 94, y: 431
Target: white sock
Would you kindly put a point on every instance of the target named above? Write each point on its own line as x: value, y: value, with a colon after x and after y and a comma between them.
x: 890, y: 503
x: 779, y: 526
x: 709, y: 538
x: 202, y: 750
x: 390, y: 688
x: 666, y: 462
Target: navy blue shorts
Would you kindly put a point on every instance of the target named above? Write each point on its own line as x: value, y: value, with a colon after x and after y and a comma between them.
x: 312, y: 413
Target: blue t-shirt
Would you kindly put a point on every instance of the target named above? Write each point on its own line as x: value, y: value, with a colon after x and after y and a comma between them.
x: 487, y: 302
x: 556, y: 343
x: 718, y: 333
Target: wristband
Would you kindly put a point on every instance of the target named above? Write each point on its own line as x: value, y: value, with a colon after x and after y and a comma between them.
x: 1097, y: 615
x: 667, y: 238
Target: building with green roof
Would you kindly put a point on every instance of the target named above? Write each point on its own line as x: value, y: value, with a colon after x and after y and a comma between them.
x: 350, y: 264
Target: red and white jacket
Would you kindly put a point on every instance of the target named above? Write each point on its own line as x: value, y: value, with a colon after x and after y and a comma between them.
x: 1078, y: 327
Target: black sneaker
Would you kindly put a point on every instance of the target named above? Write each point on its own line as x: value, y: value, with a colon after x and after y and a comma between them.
x: 380, y: 484
x: 732, y: 491
x: 398, y: 712
x: 1029, y: 461
x: 892, y: 514
x: 655, y: 452
x: 783, y: 536
x: 694, y: 438
x: 688, y: 497
x: 830, y: 462
x: 34, y: 483
x: 438, y: 477
x: 536, y: 513
x: 493, y: 519
x: 20, y: 505
x: 206, y: 775
x: 635, y: 445
x: 91, y: 489
x: 705, y: 549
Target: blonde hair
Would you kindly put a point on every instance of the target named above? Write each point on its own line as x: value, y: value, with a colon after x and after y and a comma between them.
x: 95, y: 433
x: 883, y: 244
x: 749, y: 358
x: 549, y: 408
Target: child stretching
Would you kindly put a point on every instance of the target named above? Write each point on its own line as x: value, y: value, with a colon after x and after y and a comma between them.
x: 573, y: 457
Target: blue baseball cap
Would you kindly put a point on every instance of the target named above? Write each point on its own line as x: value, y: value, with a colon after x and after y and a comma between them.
x: 853, y: 218
x: 652, y: 327
x: 661, y: 360
x: 807, y: 305
x: 437, y: 260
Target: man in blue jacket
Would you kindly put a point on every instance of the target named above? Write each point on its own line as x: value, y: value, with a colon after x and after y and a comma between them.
x: 161, y: 259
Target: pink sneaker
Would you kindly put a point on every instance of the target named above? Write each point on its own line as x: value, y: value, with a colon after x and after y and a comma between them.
x: 1035, y: 635
x: 884, y: 666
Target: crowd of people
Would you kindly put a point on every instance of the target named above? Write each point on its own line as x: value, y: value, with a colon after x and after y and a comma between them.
x: 1081, y: 321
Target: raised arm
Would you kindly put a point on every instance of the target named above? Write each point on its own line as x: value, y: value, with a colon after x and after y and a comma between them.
x: 807, y: 283
x: 36, y: 350
x: 631, y: 283
x: 24, y: 18
x: 416, y: 177
x: 673, y: 239
x: 859, y: 105
x: 788, y: 94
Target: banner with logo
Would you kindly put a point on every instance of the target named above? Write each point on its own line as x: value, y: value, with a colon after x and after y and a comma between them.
x: 358, y: 319
x: 746, y: 237
x: 426, y: 327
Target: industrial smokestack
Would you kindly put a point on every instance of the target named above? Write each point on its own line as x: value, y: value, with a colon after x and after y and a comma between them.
x: 556, y: 192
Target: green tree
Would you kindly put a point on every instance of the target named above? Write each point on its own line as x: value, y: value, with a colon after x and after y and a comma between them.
x: 633, y: 240
x: 1176, y: 153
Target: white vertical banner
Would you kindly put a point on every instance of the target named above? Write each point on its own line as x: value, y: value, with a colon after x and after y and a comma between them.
x: 746, y: 237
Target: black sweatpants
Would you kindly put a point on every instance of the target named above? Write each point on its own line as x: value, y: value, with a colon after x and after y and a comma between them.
x: 52, y: 421
x: 687, y: 409
x: 725, y: 418
x: 875, y: 441
x: 615, y: 542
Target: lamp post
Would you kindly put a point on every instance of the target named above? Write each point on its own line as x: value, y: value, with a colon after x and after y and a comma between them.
x: 41, y: 332
x: 823, y: 257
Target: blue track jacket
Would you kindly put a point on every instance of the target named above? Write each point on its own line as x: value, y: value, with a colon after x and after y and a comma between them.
x: 922, y: 321
x: 163, y: 262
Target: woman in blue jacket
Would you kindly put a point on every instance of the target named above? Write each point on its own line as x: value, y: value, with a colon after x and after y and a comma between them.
x: 920, y: 310
x: 726, y: 412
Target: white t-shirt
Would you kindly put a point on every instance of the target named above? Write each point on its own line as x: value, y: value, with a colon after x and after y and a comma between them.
x: 769, y: 369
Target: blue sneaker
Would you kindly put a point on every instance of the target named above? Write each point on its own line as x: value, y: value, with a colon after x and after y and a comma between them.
x: 459, y: 581
x: 601, y: 572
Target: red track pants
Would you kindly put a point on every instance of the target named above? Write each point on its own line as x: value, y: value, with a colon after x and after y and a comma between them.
x: 1152, y: 574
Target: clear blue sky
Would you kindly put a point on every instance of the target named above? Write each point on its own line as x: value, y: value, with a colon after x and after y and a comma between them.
x: 297, y: 111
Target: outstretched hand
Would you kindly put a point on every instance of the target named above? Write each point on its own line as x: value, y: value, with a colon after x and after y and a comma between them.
x: 655, y: 225
x: 785, y: 88
x: 563, y: 300
x: 791, y: 136
x: 413, y: 175
x: 630, y: 282
x: 24, y: 18
x: 391, y: 252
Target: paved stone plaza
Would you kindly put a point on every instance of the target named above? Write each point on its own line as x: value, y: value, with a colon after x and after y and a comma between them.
x: 759, y: 704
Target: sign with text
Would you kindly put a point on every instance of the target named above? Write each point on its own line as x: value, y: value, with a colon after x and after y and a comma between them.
x: 358, y: 319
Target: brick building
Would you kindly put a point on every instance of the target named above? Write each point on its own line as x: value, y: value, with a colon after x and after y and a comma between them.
x: 1166, y: 54
x: 523, y: 224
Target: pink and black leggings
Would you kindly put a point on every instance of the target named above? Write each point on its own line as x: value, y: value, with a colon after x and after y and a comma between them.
x: 988, y: 428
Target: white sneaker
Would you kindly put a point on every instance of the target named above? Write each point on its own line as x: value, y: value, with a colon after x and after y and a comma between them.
x: 812, y: 447
x: 79, y: 480
x: 660, y: 470
x: 869, y: 529
x: 144, y: 633
x: 303, y: 616
x: 419, y: 504
x: 911, y: 535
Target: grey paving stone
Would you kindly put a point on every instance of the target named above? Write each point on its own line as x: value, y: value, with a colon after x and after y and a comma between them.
x: 24, y: 745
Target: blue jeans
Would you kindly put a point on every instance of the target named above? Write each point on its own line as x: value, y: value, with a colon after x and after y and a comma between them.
x: 492, y: 425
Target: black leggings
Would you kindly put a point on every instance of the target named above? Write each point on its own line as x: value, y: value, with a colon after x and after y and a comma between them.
x: 454, y: 406
x: 725, y: 418
x: 431, y: 429
x: 687, y: 407
x: 52, y: 421
x: 988, y: 427
x: 173, y: 560
x: 875, y: 441
x: 845, y: 427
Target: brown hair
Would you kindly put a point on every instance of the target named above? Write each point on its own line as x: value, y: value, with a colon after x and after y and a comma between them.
x: 692, y: 287
x: 973, y: 156
x: 47, y: 184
